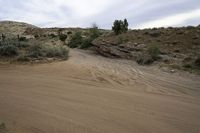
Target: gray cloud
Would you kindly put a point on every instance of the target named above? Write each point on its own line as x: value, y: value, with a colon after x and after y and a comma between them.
x: 82, y: 13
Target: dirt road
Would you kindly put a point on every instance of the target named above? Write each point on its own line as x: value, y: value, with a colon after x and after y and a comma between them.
x: 93, y: 94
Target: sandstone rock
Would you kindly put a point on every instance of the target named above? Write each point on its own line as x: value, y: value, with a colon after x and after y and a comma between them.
x: 126, y: 50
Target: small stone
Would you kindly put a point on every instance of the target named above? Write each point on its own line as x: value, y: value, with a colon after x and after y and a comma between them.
x: 172, y: 71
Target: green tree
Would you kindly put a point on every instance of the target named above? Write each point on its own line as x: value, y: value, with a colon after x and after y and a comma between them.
x: 125, y: 25
x: 120, y: 26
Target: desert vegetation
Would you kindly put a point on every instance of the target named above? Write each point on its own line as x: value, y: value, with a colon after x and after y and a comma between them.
x: 3, y: 128
x: 79, y: 41
x: 21, y: 49
x: 176, y: 48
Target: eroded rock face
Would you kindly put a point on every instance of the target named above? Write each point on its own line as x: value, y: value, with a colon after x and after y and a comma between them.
x: 125, y: 50
x: 174, y: 45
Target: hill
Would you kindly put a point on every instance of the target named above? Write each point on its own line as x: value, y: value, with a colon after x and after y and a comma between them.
x: 14, y: 28
x: 177, y: 47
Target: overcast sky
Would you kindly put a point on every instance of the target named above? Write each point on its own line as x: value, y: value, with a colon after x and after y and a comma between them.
x: 83, y: 13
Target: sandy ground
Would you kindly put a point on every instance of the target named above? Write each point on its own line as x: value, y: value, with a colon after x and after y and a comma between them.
x: 93, y: 94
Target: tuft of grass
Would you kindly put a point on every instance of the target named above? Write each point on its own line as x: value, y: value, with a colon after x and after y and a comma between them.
x: 144, y: 59
x: 122, y: 40
x: 2, y: 128
x: 154, y: 51
x: 175, y: 66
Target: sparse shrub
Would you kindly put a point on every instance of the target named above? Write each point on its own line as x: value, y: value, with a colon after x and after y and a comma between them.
x: 62, y: 37
x: 176, y: 66
x: 3, y: 37
x: 69, y: 32
x: 93, y: 34
x: 47, y: 50
x: 24, y: 44
x: 56, y: 51
x: 23, y: 58
x: 122, y: 40
x: 86, y: 43
x: 120, y: 26
x: 22, y: 39
x: 36, y: 36
x: 154, y: 51
x: 154, y: 33
x: 187, y: 66
x: 2, y: 128
x: 35, y: 50
x: 8, y: 50
x: 197, y: 62
x: 52, y: 35
x: 76, y: 40
x: 144, y: 59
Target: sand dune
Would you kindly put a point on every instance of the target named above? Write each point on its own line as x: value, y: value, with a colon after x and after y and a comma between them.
x: 93, y: 94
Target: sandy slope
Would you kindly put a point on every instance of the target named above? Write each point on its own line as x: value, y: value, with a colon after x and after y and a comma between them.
x: 92, y: 94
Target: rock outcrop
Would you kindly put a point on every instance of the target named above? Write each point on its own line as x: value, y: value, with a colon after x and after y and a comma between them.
x: 175, y: 44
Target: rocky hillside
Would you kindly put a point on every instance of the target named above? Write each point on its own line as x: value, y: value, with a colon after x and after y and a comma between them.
x: 14, y: 28
x: 177, y: 47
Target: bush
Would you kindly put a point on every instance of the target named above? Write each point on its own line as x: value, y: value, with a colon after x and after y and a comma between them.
x: 154, y: 51
x: 24, y: 44
x: 35, y: 51
x: 187, y: 66
x: 120, y: 26
x: 93, y: 34
x: 2, y: 128
x: 56, y: 51
x: 22, y: 39
x: 122, y: 40
x: 23, y: 58
x: 69, y: 32
x: 86, y: 43
x: 62, y: 37
x: 52, y: 35
x: 144, y: 59
x: 76, y: 40
x: 46, y: 50
x: 8, y: 50
x: 197, y: 62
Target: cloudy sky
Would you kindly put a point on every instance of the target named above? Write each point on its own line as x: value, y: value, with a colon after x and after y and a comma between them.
x: 83, y: 13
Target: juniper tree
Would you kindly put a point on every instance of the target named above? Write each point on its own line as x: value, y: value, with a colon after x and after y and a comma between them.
x: 120, y: 26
